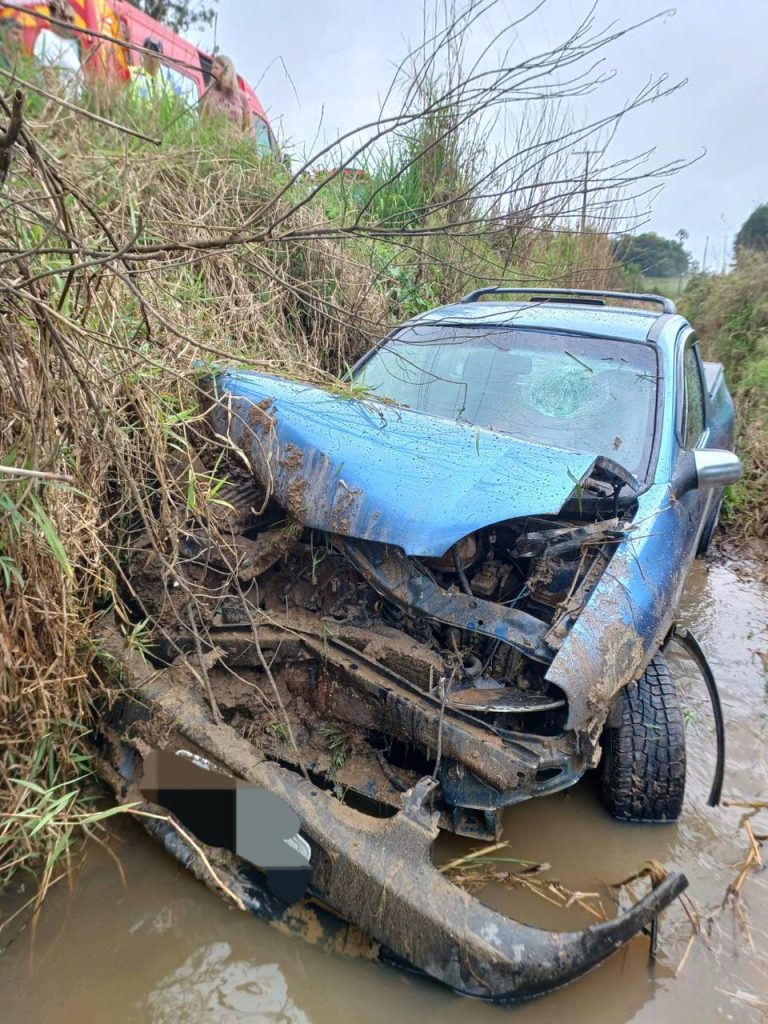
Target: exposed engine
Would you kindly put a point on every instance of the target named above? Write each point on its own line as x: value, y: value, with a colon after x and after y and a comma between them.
x: 372, y: 668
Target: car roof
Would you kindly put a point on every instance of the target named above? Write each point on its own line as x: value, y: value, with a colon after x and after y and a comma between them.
x: 600, y: 321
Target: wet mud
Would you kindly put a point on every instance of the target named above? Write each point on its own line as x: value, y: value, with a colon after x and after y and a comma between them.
x: 143, y: 941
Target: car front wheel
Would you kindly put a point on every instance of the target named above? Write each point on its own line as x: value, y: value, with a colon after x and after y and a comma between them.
x: 643, y: 763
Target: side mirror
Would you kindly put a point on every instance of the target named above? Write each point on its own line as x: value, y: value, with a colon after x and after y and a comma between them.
x: 706, y: 470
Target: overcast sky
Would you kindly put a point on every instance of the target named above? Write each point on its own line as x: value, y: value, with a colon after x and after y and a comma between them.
x: 321, y: 68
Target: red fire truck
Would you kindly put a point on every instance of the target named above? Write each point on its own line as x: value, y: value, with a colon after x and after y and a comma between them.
x: 121, y: 21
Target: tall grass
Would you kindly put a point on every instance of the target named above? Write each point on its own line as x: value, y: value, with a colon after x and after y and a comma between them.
x: 730, y: 313
x: 98, y: 394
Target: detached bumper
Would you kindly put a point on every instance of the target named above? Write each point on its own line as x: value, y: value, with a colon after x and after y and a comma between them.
x: 376, y: 874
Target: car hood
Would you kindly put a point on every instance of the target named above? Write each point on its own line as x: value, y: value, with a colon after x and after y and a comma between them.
x: 366, y: 469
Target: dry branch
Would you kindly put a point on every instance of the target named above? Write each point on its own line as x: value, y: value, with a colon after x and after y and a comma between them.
x: 10, y: 135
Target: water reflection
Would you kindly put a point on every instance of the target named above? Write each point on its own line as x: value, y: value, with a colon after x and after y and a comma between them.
x: 212, y: 985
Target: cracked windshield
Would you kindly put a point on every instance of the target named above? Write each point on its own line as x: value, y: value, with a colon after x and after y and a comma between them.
x: 572, y: 393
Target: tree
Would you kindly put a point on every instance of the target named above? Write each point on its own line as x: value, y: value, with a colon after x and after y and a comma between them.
x: 753, y: 233
x: 652, y: 255
x: 178, y: 14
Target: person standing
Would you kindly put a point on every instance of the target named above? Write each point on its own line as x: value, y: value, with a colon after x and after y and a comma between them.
x: 224, y: 98
x: 148, y: 80
x: 11, y: 43
x: 57, y: 48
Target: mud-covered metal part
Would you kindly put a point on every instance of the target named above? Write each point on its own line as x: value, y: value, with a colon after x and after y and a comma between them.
x: 369, y: 669
x: 376, y: 874
x: 685, y: 639
x: 489, y: 768
x: 566, y: 538
x: 308, y: 920
x: 397, y: 577
x: 502, y: 700
x: 239, y: 556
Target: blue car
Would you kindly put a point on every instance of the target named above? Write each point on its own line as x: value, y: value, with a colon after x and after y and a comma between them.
x: 438, y: 589
x: 496, y: 518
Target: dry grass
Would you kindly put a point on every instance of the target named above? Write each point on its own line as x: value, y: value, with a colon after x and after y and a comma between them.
x: 490, y: 865
x: 97, y: 390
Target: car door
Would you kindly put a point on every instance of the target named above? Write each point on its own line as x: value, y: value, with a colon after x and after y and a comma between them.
x: 692, y: 425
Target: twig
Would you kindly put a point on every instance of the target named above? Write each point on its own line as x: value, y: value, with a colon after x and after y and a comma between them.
x: 752, y: 860
x: 30, y: 901
x: 684, y: 958
x: 36, y: 474
x: 188, y: 839
x: 215, y: 712
x: 268, y: 672
x: 579, y: 361
x: 746, y: 997
x: 486, y: 851
x: 9, y: 136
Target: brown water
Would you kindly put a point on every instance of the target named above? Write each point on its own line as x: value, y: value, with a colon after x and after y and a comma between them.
x: 160, y: 947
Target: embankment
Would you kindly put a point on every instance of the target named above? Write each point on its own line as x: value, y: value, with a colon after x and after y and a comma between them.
x: 730, y: 313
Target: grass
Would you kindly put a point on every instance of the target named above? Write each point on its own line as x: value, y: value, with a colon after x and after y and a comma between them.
x: 730, y: 314
x: 98, y: 385
x: 49, y: 803
x: 337, y: 742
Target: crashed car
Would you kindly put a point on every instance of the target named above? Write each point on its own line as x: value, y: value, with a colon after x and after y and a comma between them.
x: 445, y: 588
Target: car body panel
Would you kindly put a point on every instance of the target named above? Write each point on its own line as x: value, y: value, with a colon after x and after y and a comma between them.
x: 383, y: 473
x: 600, y: 321
x: 630, y: 611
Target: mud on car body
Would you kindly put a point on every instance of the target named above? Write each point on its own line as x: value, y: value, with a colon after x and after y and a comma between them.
x: 464, y: 567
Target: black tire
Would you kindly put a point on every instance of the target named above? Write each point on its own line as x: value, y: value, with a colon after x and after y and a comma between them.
x: 643, y: 763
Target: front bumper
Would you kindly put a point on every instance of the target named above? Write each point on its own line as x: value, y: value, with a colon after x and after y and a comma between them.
x: 376, y: 874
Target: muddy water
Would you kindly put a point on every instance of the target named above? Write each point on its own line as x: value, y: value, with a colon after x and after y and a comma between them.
x: 151, y: 944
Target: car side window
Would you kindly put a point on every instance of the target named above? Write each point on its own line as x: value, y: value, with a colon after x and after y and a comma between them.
x: 695, y: 407
x: 261, y: 133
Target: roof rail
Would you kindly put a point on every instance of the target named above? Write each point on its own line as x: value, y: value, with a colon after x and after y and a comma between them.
x: 667, y: 305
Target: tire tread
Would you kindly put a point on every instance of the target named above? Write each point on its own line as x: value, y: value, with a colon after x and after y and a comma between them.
x: 643, y: 776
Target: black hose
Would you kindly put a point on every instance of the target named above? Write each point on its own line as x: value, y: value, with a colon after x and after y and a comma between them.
x: 460, y: 571
x: 685, y: 639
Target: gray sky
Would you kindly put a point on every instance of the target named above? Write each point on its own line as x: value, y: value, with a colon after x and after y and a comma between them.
x: 340, y: 56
